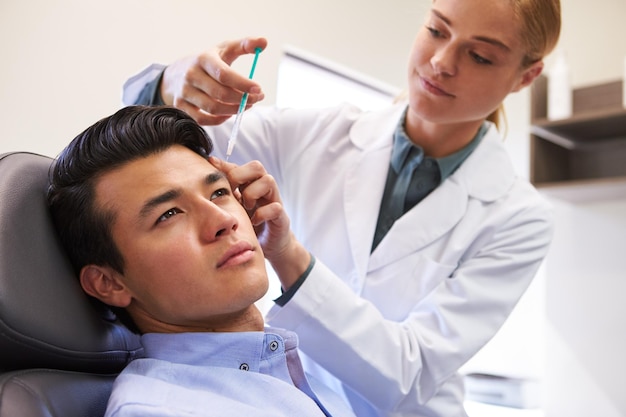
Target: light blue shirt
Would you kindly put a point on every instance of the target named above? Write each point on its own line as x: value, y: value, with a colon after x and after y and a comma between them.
x: 221, y: 374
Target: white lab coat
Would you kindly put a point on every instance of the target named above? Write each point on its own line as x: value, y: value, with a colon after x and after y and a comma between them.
x: 391, y: 329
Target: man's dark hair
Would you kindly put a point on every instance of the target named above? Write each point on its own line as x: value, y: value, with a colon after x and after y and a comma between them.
x: 131, y: 133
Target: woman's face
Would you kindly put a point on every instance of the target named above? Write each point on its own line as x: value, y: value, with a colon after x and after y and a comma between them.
x: 466, y: 59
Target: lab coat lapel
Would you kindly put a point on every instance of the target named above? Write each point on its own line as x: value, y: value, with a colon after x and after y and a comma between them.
x: 365, y: 183
x: 372, y: 136
x: 421, y: 225
x: 441, y: 210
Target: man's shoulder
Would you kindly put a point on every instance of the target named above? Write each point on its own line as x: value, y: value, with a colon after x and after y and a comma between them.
x: 151, y: 387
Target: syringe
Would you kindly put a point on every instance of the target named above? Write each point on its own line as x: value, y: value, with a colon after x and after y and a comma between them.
x: 242, y: 107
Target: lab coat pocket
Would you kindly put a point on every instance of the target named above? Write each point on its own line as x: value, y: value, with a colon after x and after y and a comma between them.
x: 398, y: 287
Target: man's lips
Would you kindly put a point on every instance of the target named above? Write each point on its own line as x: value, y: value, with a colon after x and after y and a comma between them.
x: 433, y: 87
x: 236, y: 254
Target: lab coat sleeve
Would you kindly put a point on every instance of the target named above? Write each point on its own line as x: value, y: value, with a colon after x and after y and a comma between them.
x: 399, y: 365
x: 135, y: 84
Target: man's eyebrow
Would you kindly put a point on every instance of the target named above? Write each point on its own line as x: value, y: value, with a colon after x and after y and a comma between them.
x: 153, y: 202
x: 214, y: 177
x: 485, y: 39
x: 172, y: 194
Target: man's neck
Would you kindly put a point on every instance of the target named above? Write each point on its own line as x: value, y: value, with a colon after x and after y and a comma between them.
x: 248, y: 320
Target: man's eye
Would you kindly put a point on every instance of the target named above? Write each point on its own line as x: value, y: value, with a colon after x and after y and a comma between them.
x: 220, y: 193
x: 168, y: 214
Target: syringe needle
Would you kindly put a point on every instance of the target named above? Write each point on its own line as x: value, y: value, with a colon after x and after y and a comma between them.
x: 242, y: 107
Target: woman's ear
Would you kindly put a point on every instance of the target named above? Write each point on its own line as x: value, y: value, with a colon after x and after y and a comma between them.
x: 529, y: 75
x: 104, y: 284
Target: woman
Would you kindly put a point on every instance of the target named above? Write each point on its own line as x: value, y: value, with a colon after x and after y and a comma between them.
x: 423, y: 284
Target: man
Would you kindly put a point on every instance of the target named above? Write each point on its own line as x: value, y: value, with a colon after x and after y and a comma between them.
x: 155, y: 230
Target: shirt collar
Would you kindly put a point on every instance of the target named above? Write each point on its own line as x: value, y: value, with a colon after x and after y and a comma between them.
x: 403, y: 148
x: 218, y: 349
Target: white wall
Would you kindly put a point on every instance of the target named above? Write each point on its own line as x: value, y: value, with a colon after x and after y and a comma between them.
x: 593, y: 36
x: 64, y: 61
x: 586, y: 313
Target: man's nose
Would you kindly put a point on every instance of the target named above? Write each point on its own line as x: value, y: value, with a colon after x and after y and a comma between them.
x: 216, y: 221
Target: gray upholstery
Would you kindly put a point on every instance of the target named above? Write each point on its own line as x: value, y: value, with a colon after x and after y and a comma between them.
x: 53, y: 339
x: 48, y: 392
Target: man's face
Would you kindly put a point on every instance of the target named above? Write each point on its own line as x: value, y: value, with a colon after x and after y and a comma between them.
x: 192, y: 259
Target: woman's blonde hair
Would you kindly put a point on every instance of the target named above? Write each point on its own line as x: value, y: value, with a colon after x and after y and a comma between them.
x: 540, y: 30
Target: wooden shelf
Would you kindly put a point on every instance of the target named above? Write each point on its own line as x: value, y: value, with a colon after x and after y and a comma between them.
x: 570, y: 157
x: 588, y: 126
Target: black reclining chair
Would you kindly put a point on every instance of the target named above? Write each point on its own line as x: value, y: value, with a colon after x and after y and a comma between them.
x: 59, y: 353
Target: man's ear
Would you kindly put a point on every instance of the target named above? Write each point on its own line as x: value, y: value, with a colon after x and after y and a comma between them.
x: 104, y: 284
x: 529, y: 75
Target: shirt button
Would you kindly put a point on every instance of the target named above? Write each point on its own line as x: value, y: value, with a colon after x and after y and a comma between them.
x: 273, y: 345
x: 244, y: 367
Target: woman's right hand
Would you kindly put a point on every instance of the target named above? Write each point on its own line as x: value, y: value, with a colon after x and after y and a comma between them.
x: 206, y: 87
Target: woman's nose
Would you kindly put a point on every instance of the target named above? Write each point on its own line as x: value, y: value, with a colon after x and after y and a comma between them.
x: 444, y: 61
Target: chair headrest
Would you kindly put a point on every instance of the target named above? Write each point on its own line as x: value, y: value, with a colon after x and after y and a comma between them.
x: 46, y: 320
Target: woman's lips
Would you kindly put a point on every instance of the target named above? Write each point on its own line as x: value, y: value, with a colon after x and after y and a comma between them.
x: 433, y: 88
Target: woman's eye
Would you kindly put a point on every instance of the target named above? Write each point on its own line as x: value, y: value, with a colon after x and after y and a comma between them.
x: 168, y: 214
x: 434, y: 32
x: 479, y: 59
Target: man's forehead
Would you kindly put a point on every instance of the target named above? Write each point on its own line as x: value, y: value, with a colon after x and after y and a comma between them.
x: 141, y: 178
